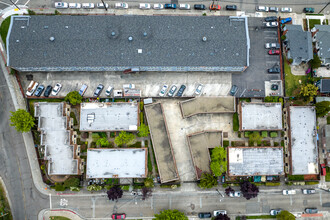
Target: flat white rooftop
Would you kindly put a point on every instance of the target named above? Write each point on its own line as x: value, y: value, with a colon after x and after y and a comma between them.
x: 303, y: 140
x: 261, y: 116
x: 251, y: 161
x: 116, y: 163
x: 109, y: 116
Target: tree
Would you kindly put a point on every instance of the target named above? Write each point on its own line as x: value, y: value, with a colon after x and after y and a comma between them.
x: 71, y: 182
x: 285, y: 215
x: 308, y: 92
x: 143, y: 130
x: 315, y: 62
x: 22, y: 120
x: 124, y: 138
x: 94, y: 187
x: 255, y: 137
x: 115, y: 193
x: 73, y: 97
x: 207, y: 181
x: 146, y: 193
x: 103, y: 142
x: 170, y: 214
x: 222, y: 217
x: 249, y: 190
x: 218, y: 161
x: 229, y: 190
x: 322, y: 108
x: 149, y: 182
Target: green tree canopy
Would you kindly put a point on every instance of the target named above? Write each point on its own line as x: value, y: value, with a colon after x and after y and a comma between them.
x: 143, y: 130
x: 170, y: 214
x: 207, y: 181
x: 308, y: 92
x: 255, y: 137
x: 322, y: 108
x: 71, y: 182
x: 149, y: 182
x: 22, y: 120
x: 285, y: 215
x: 73, y: 97
x: 124, y: 138
x: 315, y: 62
x: 103, y: 142
x: 218, y: 161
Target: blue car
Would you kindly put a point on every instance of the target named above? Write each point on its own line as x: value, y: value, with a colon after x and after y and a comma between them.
x: 286, y: 20
x: 170, y: 6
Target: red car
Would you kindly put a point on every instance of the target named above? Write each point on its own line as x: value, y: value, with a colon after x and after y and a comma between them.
x: 274, y: 52
x: 323, y: 169
x: 118, y: 216
x: 215, y: 7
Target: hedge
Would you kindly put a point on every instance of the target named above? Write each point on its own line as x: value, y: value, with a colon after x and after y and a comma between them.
x: 311, y: 183
x: 247, y: 133
x: 273, y: 134
x: 272, y: 184
x: 235, y: 122
x: 264, y: 134
x: 225, y: 143
x: 296, y: 177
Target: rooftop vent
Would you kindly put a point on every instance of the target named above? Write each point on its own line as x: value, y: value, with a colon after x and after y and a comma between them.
x: 204, y: 39
x: 66, y: 27
x: 113, y: 33
x: 130, y: 38
x: 145, y: 34
x: 45, y: 27
x: 52, y: 38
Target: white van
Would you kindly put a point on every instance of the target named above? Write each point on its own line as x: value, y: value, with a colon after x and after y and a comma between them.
x: 31, y: 88
x: 108, y: 91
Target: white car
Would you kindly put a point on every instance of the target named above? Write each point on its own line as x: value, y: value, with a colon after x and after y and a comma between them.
x: 87, y: 5
x: 74, y: 5
x: 262, y: 8
x: 129, y: 86
x: 184, y: 6
x: 101, y: 5
x: 145, y: 6
x: 158, y: 6
x: 289, y: 192
x: 61, y: 5
x: 56, y: 89
x: 218, y: 212
x: 31, y: 88
x: 199, y: 89
x: 272, y: 24
x: 121, y: 5
x: 286, y: 10
x: 272, y: 45
x: 163, y: 90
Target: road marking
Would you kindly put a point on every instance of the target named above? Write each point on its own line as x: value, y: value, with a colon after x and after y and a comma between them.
x: 290, y: 200
x: 93, y: 206
x: 200, y: 202
x: 50, y: 201
x: 170, y: 200
x: 152, y: 202
x: 320, y: 198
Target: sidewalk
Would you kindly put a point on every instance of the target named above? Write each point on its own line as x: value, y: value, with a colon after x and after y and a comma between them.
x: 45, y: 214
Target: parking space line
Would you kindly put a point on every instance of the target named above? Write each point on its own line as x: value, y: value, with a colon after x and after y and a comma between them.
x: 290, y: 200
x: 200, y: 202
x: 320, y: 198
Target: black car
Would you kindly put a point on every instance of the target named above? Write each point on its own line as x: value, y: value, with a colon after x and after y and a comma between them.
x: 274, y: 69
x: 181, y: 90
x: 231, y: 7
x: 308, y: 10
x: 204, y: 215
x: 233, y: 90
x: 39, y: 91
x: 199, y: 7
x: 98, y: 90
x: 271, y: 18
x: 48, y: 90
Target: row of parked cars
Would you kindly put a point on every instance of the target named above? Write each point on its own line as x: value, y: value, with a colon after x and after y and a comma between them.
x: 172, y: 90
x: 35, y: 89
x: 273, y: 9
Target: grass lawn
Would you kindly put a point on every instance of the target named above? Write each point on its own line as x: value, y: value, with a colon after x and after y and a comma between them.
x: 313, y: 22
x: 4, y: 29
x: 4, y: 205
x: 291, y: 81
x: 59, y: 218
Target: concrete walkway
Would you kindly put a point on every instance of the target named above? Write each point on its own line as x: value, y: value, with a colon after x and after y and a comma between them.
x: 47, y: 214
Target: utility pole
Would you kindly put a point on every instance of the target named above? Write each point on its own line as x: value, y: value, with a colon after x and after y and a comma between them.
x: 324, y: 7
x: 104, y: 5
x: 15, y: 5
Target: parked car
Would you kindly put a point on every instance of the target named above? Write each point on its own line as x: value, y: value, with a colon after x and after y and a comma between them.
x: 231, y: 7
x: 87, y: 5
x: 323, y: 169
x: 218, y: 212
x: 184, y: 6
x: 83, y: 90
x: 272, y: 45
x: 48, y: 90
x: 289, y: 192
x: 262, y: 8
x: 272, y: 24
x: 170, y: 6
x: 308, y: 191
x: 204, y: 215
x: 129, y: 86
x: 199, y: 89
x: 31, y: 88
x: 108, y: 91
x: 286, y: 20
x: 199, y: 7
x: 39, y: 91
x: 273, y: 9
x: 181, y: 90
x: 74, y: 5
x: 98, y: 90
x: 163, y: 90
x: 101, y: 5
x: 271, y: 18
x: 275, y: 211
x: 121, y: 5
x: 286, y: 10
x: 56, y: 89
x: 172, y: 91
x: 118, y: 216
x: 145, y: 6
x: 235, y: 194
x: 215, y: 7
x: 311, y: 210
x: 233, y: 90
x: 158, y: 6
x: 308, y: 10
x: 274, y: 52
x: 61, y: 5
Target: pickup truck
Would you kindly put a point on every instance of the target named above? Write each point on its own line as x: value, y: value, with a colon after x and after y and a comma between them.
x: 289, y: 192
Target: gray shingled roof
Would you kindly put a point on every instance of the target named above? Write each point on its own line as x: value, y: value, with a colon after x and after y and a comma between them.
x: 325, y: 86
x: 323, y: 37
x: 299, y: 42
x: 86, y: 43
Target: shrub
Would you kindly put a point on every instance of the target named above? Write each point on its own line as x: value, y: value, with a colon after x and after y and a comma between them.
x: 225, y: 143
x: 30, y: 12
x: 57, y: 12
x: 273, y: 134
x: 141, y: 105
x: 71, y: 182
x: 311, y: 183
x: 126, y: 187
x: 247, y: 133
x: 283, y: 37
x: 59, y: 187
x: 264, y: 134
x: 141, y: 118
x: 295, y: 177
x: 282, y: 143
x: 149, y: 182
x: 235, y: 122
x: 328, y: 120
x: 72, y: 115
x: 276, y: 144
x: 272, y: 184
